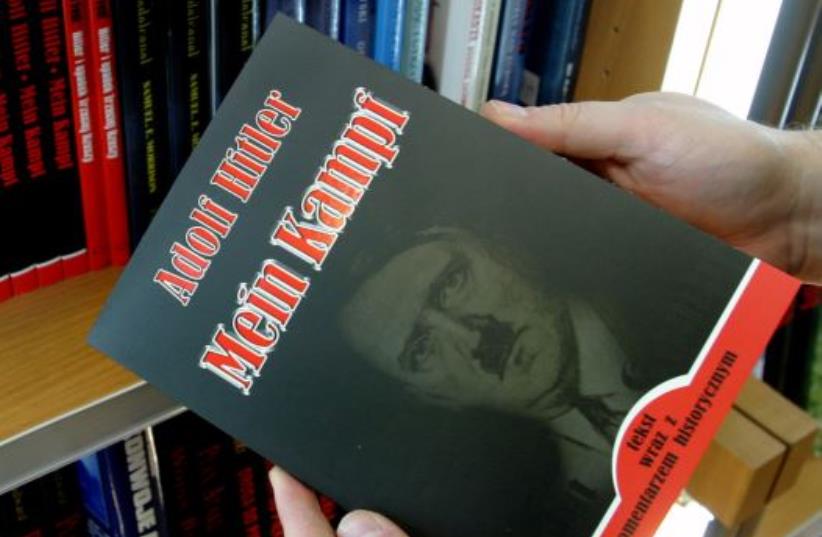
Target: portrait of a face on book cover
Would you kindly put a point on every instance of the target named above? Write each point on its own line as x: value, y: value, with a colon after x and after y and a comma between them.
x: 476, y: 336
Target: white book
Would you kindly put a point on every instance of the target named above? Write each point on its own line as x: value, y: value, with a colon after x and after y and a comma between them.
x: 463, y: 37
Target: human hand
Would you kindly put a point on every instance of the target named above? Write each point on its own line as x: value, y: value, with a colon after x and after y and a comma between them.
x: 757, y: 188
x: 300, y: 514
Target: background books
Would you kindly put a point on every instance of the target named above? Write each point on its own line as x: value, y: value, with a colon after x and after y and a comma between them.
x: 102, y: 101
x: 183, y: 477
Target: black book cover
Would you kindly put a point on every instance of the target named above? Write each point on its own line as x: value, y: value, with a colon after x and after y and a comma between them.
x: 140, y: 29
x: 189, y: 88
x: 408, y: 308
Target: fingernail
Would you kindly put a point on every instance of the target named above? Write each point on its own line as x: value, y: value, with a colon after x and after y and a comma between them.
x: 507, y: 109
x: 359, y: 525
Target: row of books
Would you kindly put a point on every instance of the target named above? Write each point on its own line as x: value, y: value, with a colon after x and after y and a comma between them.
x: 183, y: 477
x: 102, y: 101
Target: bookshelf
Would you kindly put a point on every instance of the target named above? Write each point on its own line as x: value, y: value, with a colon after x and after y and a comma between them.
x: 59, y: 398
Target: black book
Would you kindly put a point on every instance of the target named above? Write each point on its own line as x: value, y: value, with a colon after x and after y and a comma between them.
x: 189, y: 84
x: 140, y: 29
x: 414, y: 311
x: 235, y: 29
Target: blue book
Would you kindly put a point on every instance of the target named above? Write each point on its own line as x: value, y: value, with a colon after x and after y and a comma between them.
x: 324, y: 16
x: 414, y: 30
x: 358, y: 19
x: 119, y: 490
x: 509, y: 58
x: 388, y: 33
x: 554, y: 51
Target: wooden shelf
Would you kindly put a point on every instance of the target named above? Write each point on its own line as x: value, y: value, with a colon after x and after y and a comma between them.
x: 59, y: 398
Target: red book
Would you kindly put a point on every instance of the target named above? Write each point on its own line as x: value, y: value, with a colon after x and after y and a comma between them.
x: 82, y: 94
x: 106, y: 110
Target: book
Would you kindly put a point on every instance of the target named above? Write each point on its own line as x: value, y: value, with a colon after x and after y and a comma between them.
x: 140, y: 39
x: 554, y: 51
x: 10, y: 167
x: 65, y: 511
x: 357, y: 24
x: 235, y: 29
x: 84, y: 107
x: 406, y: 307
x: 290, y: 8
x: 119, y: 490
x: 60, y: 228
x: 509, y: 57
x: 324, y: 16
x: 23, y: 511
x: 389, y: 16
x: 414, y: 32
x: 189, y: 80
x: 19, y: 49
x: 463, y: 36
x: 108, y: 140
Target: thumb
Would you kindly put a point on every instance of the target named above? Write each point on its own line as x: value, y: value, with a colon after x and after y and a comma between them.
x: 368, y: 524
x: 584, y: 130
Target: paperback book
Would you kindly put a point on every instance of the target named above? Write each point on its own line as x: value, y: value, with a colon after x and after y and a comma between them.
x: 408, y: 307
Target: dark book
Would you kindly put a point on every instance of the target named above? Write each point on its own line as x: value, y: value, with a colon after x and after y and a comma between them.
x: 197, y: 473
x: 408, y: 307
x: 23, y: 511
x: 120, y: 492
x: 357, y: 25
x: 554, y: 51
x: 61, y: 232
x: 19, y: 51
x: 10, y: 167
x: 234, y: 31
x: 290, y: 8
x: 65, y: 514
x: 324, y: 16
x: 509, y: 56
x: 140, y: 31
x: 189, y: 88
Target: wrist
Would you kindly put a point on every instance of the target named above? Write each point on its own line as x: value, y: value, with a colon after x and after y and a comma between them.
x: 802, y: 155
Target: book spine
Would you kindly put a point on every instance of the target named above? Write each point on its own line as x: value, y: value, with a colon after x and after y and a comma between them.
x: 91, y: 187
x: 212, y: 456
x: 413, y: 39
x: 140, y: 41
x: 9, y: 177
x: 388, y: 33
x: 482, y: 42
x: 247, y: 470
x: 19, y: 42
x: 358, y: 19
x: 22, y: 511
x: 176, y: 476
x: 63, y: 498
x: 552, y: 61
x: 189, y: 100
x: 64, y: 181
x: 120, y: 490
x: 509, y: 60
x: 324, y: 16
x: 233, y: 36
x: 296, y: 9
x: 106, y: 110
x: 448, y: 51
